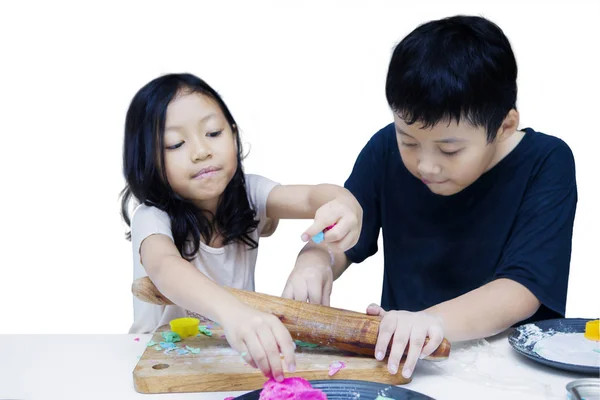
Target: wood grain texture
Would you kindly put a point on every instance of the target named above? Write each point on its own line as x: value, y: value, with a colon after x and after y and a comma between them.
x: 327, y: 326
x: 220, y: 368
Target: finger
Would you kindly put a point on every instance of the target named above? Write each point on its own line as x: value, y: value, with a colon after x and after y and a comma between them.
x: 327, y: 287
x: 350, y: 239
x: 386, y: 330
x: 258, y: 354
x: 344, y: 235
x: 336, y: 232
x: 344, y: 244
x: 399, y: 342
x: 300, y: 290
x: 288, y: 291
x: 315, y: 232
x: 324, y: 217
x: 245, y: 354
x: 415, y: 346
x: 436, y: 336
x: 314, y: 288
x: 286, y: 345
x: 374, y: 309
x: 269, y: 343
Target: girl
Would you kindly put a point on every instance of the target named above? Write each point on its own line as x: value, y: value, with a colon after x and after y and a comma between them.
x: 200, y: 217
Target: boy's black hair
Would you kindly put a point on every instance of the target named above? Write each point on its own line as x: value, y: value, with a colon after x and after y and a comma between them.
x: 453, y: 68
x: 143, y: 156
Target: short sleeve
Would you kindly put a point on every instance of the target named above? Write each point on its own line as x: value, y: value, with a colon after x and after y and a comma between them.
x: 146, y: 221
x: 258, y: 189
x: 364, y: 184
x: 538, y: 252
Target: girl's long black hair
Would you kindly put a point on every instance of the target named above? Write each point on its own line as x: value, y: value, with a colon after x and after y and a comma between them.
x: 146, y: 179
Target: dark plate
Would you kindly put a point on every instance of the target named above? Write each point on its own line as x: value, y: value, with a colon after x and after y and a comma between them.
x: 518, y: 339
x: 356, y: 390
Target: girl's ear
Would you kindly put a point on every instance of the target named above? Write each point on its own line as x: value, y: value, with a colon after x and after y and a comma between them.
x: 235, y: 132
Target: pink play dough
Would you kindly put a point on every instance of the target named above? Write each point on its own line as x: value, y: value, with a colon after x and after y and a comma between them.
x: 290, y: 389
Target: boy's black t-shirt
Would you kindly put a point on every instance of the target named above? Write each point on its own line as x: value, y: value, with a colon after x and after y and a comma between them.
x: 515, y: 222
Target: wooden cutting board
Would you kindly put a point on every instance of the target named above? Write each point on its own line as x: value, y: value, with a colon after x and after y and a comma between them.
x: 220, y: 368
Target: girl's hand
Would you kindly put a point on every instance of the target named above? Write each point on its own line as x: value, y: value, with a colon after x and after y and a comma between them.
x: 260, y: 338
x: 406, y: 328
x: 343, y: 212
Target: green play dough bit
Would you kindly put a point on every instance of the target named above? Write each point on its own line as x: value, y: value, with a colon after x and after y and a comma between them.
x: 194, y: 350
x: 597, y: 350
x: 203, y: 329
x: 300, y: 343
x: 151, y: 343
x: 171, y: 337
x: 157, y: 348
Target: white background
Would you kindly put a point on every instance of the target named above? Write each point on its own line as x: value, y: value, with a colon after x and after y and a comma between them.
x: 305, y: 82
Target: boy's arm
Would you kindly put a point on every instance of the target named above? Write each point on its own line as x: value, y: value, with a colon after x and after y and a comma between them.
x: 485, y: 311
x: 314, y: 254
x: 312, y: 277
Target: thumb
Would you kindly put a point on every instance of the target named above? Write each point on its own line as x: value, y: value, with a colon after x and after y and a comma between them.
x: 374, y: 309
x: 315, y: 231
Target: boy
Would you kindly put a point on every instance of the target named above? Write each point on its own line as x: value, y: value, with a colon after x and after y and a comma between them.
x: 477, y: 216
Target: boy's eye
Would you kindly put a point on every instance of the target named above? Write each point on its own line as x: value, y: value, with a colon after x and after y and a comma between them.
x: 409, y: 144
x: 451, y: 153
x: 214, y: 134
x: 175, y: 146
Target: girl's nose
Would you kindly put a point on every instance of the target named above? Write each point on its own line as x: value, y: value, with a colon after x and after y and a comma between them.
x: 201, y: 151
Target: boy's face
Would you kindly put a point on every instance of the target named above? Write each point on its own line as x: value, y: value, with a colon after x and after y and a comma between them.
x: 448, y: 157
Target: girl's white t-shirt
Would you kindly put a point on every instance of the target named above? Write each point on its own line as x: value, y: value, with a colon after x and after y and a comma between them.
x: 232, y: 265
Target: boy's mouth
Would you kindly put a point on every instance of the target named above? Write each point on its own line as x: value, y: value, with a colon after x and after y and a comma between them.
x: 427, y: 182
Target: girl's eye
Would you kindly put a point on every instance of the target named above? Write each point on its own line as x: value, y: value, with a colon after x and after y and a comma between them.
x: 409, y: 144
x: 214, y: 134
x: 175, y: 146
x: 451, y: 153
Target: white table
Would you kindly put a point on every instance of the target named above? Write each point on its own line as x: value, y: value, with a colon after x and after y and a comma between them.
x: 100, y: 367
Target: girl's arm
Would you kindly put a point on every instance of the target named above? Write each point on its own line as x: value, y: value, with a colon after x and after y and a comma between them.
x: 327, y: 204
x: 258, y: 336
x: 182, y: 283
x: 303, y: 201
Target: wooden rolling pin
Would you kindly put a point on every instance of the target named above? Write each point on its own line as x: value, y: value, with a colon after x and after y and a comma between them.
x: 326, y: 326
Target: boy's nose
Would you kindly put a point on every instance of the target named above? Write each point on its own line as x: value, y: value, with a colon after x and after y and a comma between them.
x: 428, y: 168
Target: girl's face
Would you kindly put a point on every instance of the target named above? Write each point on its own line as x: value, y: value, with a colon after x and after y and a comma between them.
x: 200, y: 149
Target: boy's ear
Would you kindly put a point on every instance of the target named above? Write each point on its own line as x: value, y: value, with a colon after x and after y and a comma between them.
x: 508, y: 126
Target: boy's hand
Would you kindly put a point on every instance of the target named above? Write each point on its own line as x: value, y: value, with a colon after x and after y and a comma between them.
x: 346, y: 213
x: 406, y: 328
x: 260, y: 338
x: 311, y: 279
